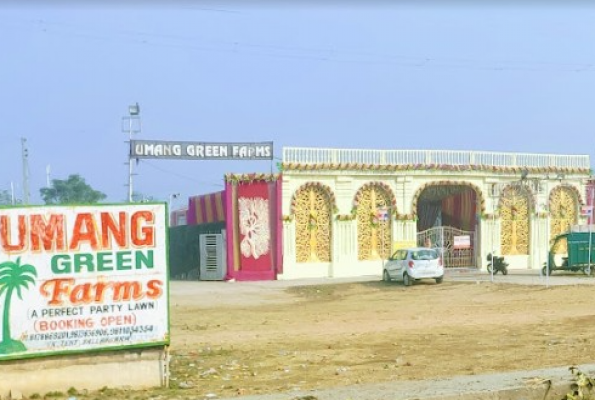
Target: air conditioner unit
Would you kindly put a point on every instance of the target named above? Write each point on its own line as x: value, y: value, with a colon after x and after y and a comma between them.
x: 213, y: 260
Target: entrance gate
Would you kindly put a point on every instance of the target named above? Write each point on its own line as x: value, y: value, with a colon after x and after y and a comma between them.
x: 458, y: 247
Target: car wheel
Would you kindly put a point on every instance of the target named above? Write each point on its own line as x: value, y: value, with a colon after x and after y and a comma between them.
x: 407, y: 281
x: 386, y: 276
x: 439, y: 280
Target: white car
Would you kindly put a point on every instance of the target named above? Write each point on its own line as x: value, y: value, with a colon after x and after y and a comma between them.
x: 413, y: 264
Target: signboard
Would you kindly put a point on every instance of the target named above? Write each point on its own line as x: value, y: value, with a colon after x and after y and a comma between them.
x: 587, y: 211
x: 200, y: 150
x: 382, y: 214
x: 462, y: 242
x: 82, y: 278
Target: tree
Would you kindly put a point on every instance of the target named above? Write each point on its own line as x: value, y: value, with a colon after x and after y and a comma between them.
x: 5, y: 198
x: 13, y: 276
x: 74, y: 190
x: 138, y: 197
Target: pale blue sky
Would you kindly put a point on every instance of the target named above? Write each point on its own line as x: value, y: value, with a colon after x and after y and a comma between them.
x: 499, y: 78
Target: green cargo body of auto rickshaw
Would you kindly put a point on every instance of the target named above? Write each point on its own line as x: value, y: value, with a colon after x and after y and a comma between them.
x: 578, y: 247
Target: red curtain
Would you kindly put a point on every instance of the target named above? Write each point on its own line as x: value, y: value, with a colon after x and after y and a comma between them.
x: 460, y: 210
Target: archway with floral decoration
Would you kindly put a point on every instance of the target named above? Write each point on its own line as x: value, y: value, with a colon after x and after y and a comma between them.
x: 373, y: 205
x: 455, y: 203
x: 563, y: 204
x: 515, y: 206
x: 313, y: 205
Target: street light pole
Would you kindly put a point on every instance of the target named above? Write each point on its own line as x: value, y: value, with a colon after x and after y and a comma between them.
x: 133, y: 114
x: 129, y: 162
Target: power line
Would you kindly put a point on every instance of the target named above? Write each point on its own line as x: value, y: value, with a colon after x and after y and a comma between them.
x: 181, y: 175
x: 306, y: 53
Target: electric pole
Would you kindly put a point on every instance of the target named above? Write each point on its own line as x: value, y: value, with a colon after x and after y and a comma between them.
x: 25, y: 158
x: 12, y: 198
x: 47, y: 176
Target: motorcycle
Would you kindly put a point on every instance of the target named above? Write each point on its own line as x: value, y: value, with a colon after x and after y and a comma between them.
x: 498, y: 263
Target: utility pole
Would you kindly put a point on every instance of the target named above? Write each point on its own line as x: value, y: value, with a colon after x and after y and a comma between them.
x: 25, y: 158
x: 47, y: 176
x: 12, y: 198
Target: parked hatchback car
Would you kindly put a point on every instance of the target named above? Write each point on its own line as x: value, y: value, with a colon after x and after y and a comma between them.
x: 413, y: 264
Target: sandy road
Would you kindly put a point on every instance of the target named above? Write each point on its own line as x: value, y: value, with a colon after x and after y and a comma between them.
x: 277, y: 340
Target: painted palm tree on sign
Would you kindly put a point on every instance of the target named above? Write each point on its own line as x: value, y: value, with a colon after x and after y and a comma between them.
x: 14, y: 276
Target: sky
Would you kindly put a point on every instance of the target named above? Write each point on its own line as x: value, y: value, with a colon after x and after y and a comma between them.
x: 516, y: 77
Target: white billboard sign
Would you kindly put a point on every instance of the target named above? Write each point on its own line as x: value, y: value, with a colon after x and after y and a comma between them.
x: 82, y: 278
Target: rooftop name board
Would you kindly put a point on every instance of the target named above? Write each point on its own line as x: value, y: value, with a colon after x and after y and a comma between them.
x: 200, y: 150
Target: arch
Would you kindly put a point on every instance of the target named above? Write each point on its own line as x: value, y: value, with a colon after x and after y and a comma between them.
x: 309, y: 185
x: 526, y: 190
x: 515, y: 205
x: 373, y: 225
x: 563, y: 205
x: 386, y: 188
x: 572, y: 188
x: 444, y: 210
x: 418, y: 192
x: 313, y: 205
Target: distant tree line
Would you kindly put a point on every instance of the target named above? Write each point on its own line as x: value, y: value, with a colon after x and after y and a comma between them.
x: 73, y: 190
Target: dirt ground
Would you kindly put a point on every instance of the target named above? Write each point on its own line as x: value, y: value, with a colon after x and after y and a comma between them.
x: 231, y: 339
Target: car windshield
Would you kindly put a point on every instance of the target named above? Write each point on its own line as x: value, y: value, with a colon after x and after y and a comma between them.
x: 399, y: 255
x: 428, y: 254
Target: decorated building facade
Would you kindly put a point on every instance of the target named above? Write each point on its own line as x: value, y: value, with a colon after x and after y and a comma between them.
x: 342, y: 212
x: 345, y: 210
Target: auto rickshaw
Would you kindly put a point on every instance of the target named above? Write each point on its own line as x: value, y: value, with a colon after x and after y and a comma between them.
x: 570, y: 252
